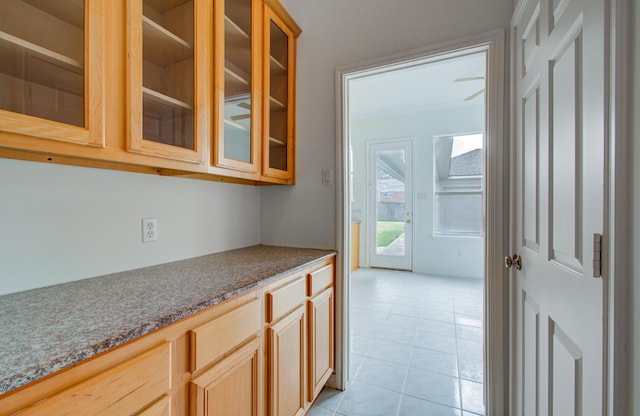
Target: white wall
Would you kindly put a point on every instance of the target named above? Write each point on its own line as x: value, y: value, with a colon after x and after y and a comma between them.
x: 337, y: 33
x: 61, y: 223
x: 448, y: 256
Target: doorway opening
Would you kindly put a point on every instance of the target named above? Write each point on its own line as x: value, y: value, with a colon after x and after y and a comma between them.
x: 417, y: 191
x: 446, y: 209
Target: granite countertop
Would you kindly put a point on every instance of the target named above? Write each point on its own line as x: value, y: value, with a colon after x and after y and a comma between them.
x: 47, y: 329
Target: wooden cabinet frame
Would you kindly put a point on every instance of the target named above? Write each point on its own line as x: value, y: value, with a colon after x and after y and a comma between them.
x: 276, y: 14
x: 218, y: 157
x: 93, y: 132
x: 115, y: 97
x: 135, y: 89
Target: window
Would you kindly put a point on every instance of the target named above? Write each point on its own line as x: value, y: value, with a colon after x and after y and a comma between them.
x: 458, y: 200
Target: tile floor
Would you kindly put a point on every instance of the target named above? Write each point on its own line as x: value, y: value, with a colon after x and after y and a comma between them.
x: 416, y: 347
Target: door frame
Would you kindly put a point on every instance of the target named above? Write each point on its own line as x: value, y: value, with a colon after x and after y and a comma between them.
x: 496, y: 192
x: 617, y: 264
x: 370, y: 209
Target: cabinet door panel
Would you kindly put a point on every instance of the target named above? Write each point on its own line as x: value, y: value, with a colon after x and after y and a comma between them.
x: 233, y: 387
x: 237, y: 84
x: 163, y: 94
x: 279, y: 98
x: 52, y: 70
x: 287, y: 365
x: 321, y: 341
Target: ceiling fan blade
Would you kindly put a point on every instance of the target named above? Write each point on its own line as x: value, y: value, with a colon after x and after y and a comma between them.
x: 468, y: 79
x: 244, y: 105
x: 474, y: 95
x: 240, y: 117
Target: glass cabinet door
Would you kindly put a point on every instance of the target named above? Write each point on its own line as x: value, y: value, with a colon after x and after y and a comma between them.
x: 161, y: 69
x: 279, y: 98
x: 236, y: 142
x: 51, y: 67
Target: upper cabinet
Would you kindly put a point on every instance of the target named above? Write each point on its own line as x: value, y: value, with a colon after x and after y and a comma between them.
x: 194, y: 88
x: 52, y: 71
x: 237, y: 85
x: 254, y: 90
x: 163, y: 95
x: 279, y: 94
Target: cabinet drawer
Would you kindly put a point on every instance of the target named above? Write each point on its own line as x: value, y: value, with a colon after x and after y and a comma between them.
x: 286, y: 298
x: 320, y: 279
x: 211, y: 341
x: 122, y: 390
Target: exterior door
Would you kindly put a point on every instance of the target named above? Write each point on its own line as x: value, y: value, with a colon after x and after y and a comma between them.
x: 390, y: 205
x: 560, y: 112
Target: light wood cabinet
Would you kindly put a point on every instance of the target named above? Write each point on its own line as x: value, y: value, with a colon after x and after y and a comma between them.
x: 287, y: 360
x: 269, y: 351
x: 300, y: 339
x: 321, y: 328
x: 226, y: 361
x: 287, y: 346
x: 321, y: 341
x: 279, y: 94
x: 126, y: 389
x: 202, y: 89
x: 237, y: 85
x: 52, y: 71
x: 182, y: 369
x: 232, y: 387
x: 166, y: 78
x: 254, y: 84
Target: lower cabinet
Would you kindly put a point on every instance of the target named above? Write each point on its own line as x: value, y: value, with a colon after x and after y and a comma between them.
x: 226, y: 363
x: 138, y: 386
x: 267, y: 351
x: 321, y: 341
x: 300, y: 339
x: 233, y: 387
x: 287, y: 365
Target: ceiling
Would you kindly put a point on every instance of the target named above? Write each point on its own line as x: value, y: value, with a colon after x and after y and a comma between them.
x: 425, y: 87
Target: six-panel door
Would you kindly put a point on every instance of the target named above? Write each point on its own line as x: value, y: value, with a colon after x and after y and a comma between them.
x: 560, y: 83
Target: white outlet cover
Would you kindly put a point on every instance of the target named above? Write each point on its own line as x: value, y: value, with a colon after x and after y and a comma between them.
x: 149, y: 230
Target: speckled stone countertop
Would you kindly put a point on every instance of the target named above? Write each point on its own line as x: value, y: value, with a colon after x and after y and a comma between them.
x: 47, y: 329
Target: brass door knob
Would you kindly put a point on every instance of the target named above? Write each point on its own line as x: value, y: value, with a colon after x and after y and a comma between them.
x: 514, y: 260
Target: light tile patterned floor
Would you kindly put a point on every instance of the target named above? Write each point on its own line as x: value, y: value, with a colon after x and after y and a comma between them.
x: 416, y: 347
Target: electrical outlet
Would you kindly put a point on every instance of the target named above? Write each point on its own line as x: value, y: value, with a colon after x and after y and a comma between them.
x: 149, y: 230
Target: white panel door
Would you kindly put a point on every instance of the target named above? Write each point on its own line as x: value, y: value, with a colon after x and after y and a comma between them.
x: 559, y: 74
x: 390, y: 205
